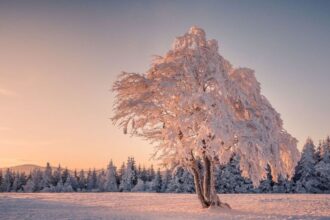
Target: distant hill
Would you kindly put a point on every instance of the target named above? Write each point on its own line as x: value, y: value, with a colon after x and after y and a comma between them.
x: 27, y: 168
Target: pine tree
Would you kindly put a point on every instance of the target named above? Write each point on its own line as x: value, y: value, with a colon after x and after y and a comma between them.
x: 57, y: 176
x: 156, y: 185
x: 36, y: 177
x: 1, y: 181
x: 121, y: 173
x: 230, y: 179
x: 182, y: 181
x: 59, y: 186
x: 101, y: 179
x: 111, y: 182
x: 47, y: 178
x: 91, y: 180
x: 141, y: 186
x: 67, y: 187
x: 127, y: 180
x: 167, y: 178
x: 266, y: 185
x: 65, y: 175
x: 82, y: 180
x: 15, y: 183
x: 151, y: 173
x: 305, y: 177
x: 144, y: 175
x: 283, y: 185
x: 322, y: 167
x: 74, y: 181
x: 7, y: 181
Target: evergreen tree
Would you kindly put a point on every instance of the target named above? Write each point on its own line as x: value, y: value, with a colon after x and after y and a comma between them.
x: 305, y: 177
x: 100, y: 183
x: 182, y: 181
x: 141, y: 186
x: 7, y: 181
x: 121, y: 173
x: 266, y: 185
x: 82, y: 180
x: 156, y: 185
x: 167, y: 178
x: 47, y: 178
x: 129, y: 176
x: 283, y: 185
x: 144, y: 175
x: 230, y: 179
x: 151, y: 173
x: 65, y: 175
x: 59, y: 186
x: 111, y: 183
x: 67, y: 187
x: 1, y: 180
x: 36, y: 177
x: 91, y: 180
x: 57, y: 176
x: 322, y: 167
x: 74, y: 181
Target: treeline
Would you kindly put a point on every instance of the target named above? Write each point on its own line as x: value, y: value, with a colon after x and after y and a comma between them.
x: 312, y: 175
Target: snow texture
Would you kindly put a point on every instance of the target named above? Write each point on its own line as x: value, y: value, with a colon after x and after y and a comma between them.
x: 78, y: 206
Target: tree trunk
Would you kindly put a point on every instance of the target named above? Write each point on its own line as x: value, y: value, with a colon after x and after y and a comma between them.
x: 198, y: 188
x: 214, y: 199
x: 207, y: 178
x: 206, y: 190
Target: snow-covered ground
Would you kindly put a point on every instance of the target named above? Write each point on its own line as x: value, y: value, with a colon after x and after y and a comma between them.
x: 50, y: 206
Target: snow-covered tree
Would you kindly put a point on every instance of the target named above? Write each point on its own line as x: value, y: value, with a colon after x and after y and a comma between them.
x: 322, y: 167
x: 182, y: 181
x: 193, y: 104
x: 82, y: 180
x: 141, y: 186
x: 59, y: 186
x: 1, y: 180
x: 19, y: 182
x: 305, y: 174
x: 110, y: 179
x: 129, y: 176
x: 7, y: 181
x: 144, y: 175
x: 47, y: 177
x: 74, y: 181
x: 121, y: 172
x: 230, y: 179
x: 65, y: 175
x: 167, y: 178
x: 67, y: 187
x: 266, y: 185
x: 91, y: 180
x: 156, y: 184
x: 100, y: 183
x: 57, y: 175
x: 151, y: 173
x: 283, y: 185
x: 36, y: 178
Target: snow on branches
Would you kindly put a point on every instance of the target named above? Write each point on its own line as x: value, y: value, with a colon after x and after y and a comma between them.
x: 192, y: 104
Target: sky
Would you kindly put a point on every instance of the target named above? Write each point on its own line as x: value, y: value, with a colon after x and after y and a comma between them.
x: 59, y: 59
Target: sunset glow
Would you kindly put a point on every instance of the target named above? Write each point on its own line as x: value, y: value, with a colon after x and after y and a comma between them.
x: 58, y: 63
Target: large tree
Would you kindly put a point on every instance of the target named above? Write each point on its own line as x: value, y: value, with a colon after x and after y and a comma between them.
x: 197, y: 109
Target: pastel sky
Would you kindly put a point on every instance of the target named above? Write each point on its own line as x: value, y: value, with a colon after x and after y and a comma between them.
x: 59, y: 59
